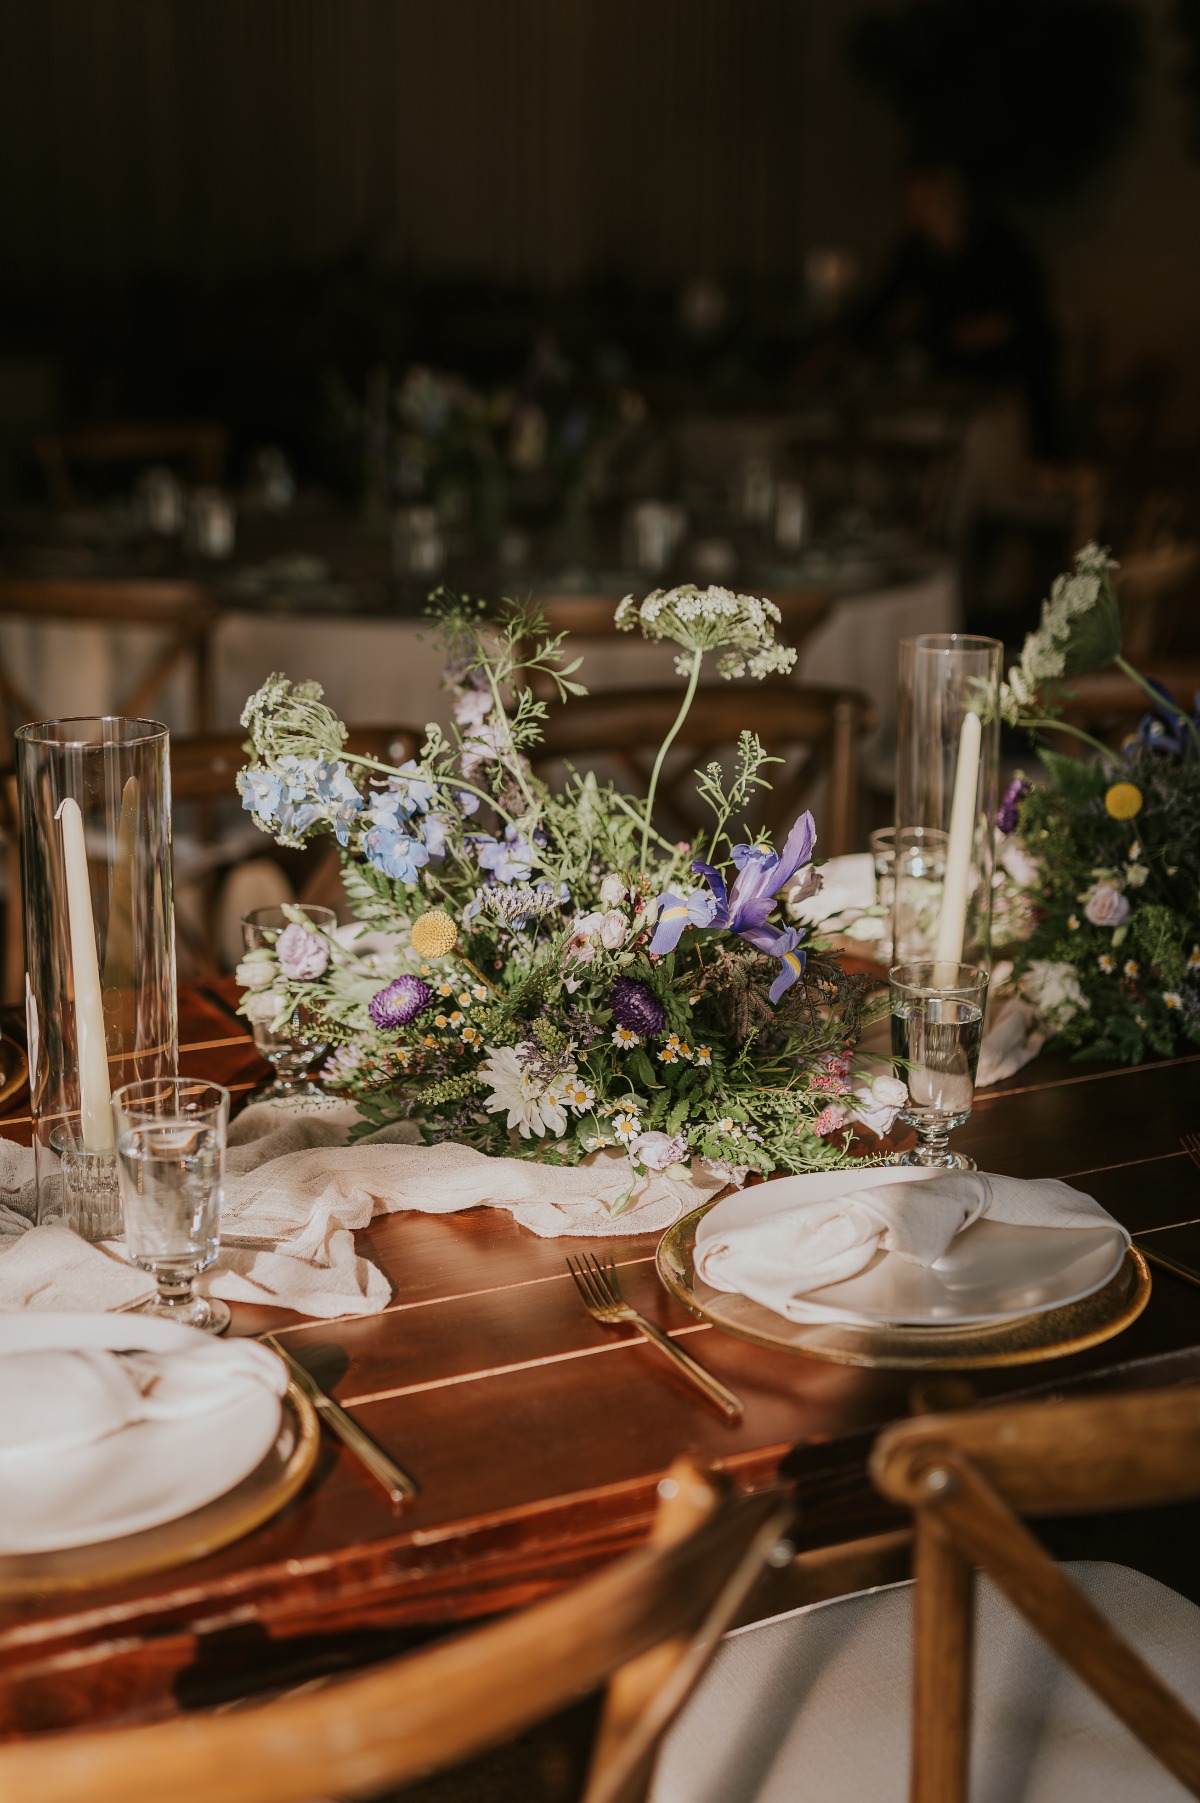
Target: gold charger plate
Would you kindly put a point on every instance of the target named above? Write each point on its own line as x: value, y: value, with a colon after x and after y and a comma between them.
x: 1051, y: 1335
x: 260, y: 1495
x: 14, y: 1068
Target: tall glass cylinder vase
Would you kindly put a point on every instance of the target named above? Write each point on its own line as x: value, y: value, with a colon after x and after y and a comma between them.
x: 947, y: 776
x: 94, y: 799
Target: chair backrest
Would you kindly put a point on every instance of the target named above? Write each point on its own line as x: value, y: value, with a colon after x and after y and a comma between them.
x: 1150, y: 584
x: 184, y: 613
x: 964, y: 1476
x: 440, y: 1707
x: 202, y: 447
x: 1108, y: 704
x: 816, y: 730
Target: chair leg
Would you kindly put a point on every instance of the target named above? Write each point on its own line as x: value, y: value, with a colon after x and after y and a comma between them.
x: 941, y: 1666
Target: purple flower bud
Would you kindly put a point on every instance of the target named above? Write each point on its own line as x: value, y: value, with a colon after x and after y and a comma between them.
x: 637, y: 1007
x: 399, y: 1003
x: 1009, y: 811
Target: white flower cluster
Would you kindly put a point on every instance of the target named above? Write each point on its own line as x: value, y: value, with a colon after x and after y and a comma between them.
x: 1046, y: 652
x: 741, y: 626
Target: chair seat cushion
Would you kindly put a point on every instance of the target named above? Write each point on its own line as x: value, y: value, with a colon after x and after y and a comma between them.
x: 813, y: 1706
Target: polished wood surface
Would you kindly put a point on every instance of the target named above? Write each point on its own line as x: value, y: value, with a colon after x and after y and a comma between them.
x: 538, y: 1436
x: 668, y: 1602
x: 964, y: 1475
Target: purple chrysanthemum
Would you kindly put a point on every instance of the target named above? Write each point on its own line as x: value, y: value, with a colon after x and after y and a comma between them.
x: 636, y: 1007
x: 400, y: 1002
x: 1009, y: 811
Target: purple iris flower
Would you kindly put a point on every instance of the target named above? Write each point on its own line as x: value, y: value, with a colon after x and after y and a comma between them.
x: 745, y: 908
x: 1168, y: 728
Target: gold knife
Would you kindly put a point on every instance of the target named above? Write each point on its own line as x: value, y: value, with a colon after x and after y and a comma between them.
x: 1174, y: 1265
x: 397, y: 1484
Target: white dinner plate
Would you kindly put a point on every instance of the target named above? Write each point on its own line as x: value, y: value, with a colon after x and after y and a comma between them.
x: 990, y: 1272
x: 143, y: 1475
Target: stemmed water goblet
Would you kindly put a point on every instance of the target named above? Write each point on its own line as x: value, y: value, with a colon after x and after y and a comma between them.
x: 170, y: 1134
x: 937, y: 1028
x: 292, y: 1050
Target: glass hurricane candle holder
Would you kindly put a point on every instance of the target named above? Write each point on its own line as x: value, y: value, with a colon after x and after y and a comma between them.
x: 94, y: 803
x: 947, y: 773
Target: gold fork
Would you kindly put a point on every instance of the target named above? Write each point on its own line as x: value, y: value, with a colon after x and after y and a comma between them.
x: 600, y: 1292
x: 1191, y: 1145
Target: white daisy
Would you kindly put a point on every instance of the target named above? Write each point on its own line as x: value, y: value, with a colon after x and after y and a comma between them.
x: 625, y: 1036
x: 627, y: 1127
x: 533, y: 1108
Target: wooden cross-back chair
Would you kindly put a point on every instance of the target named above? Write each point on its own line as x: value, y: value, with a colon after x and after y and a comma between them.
x: 645, y: 1626
x: 959, y: 1685
x: 183, y: 613
x: 590, y: 619
x: 967, y: 1478
x: 821, y: 726
x: 201, y: 447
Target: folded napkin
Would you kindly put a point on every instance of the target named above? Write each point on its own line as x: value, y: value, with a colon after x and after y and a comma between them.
x: 56, y: 1401
x: 293, y: 1182
x: 778, y: 1242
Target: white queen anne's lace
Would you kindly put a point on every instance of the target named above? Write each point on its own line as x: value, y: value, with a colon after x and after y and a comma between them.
x: 1050, y: 649
x: 741, y: 627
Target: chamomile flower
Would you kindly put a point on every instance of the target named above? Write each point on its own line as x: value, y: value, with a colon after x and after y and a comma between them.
x: 441, y: 1020
x: 668, y: 1055
x: 479, y: 992
x: 445, y: 989
x: 1193, y: 962
x: 703, y: 1054
x: 627, y: 1127
x: 595, y: 1142
x: 470, y: 1036
x: 625, y: 1037
x: 464, y: 1000
x: 1073, y: 922
x: 1172, y: 998
x: 1132, y: 968
x: 456, y: 1018
x: 1107, y: 962
x: 579, y: 1096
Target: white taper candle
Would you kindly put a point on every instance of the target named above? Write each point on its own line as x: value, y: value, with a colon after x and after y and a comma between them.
x: 91, y: 1047
x: 960, y: 848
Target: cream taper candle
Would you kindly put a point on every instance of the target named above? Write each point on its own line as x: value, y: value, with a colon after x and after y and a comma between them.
x: 91, y: 1047
x: 960, y: 848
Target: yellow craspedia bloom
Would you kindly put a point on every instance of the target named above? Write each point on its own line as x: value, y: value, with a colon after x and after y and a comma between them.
x: 434, y: 934
x: 1123, y: 801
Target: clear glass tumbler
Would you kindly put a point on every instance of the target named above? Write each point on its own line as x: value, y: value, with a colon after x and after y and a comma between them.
x: 937, y: 1029
x: 170, y: 1134
x: 294, y: 1053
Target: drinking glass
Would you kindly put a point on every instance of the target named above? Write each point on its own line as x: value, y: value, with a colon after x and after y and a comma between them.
x: 937, y: 1027
x: 918, y: 874
x: 170, y: 1134
x: 294, y: 1052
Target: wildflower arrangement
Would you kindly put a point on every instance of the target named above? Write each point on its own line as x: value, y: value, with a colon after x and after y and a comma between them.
x: 1106, y: 851
x: 543, y: 974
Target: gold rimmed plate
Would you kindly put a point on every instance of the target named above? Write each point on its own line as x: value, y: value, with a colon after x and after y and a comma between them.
x: 1023, y: 1341
x: 275, y: 1480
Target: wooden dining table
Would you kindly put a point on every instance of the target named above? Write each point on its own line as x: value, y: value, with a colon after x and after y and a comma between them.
x: 539, y: 1437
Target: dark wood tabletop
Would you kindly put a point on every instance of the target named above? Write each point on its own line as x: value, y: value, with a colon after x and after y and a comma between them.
x: 537, y: 1436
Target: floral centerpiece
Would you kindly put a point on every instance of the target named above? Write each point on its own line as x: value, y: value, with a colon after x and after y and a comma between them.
x: 543, y: 974
x: 1106, y: 851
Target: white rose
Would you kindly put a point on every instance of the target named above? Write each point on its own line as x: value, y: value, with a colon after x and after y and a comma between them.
x: 1053, y: 989
x: 262, y: 1005
x: 1106, y: 906
x: 612, y: 930
x: 612, y: 890
x: 256, y: 973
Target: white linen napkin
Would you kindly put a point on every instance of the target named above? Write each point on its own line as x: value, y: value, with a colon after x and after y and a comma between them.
x: 292, y: 1181
x: 58, y: 1401
x: 779, y: 1242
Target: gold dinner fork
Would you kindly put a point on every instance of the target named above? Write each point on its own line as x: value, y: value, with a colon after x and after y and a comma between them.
x: 600, y: 1292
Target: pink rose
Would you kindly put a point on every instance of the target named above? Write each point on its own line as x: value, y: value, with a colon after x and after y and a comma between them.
x: 1106, y: 906
x: 302, y: 956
